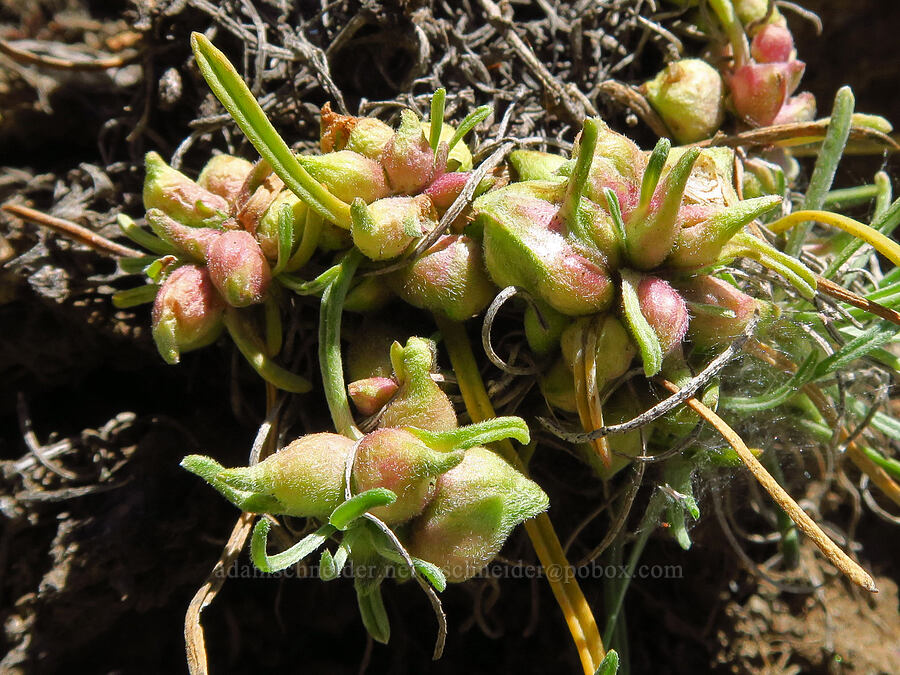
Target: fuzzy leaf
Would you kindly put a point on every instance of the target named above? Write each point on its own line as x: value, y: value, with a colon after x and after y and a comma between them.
x: 344, y: 515
x: 275, y: 563
x: 643, y: 334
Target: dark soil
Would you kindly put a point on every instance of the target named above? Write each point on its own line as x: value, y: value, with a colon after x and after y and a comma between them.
x: 105, y: 540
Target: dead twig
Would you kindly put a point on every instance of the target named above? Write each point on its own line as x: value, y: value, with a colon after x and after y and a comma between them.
x: 807, y: 525
x: 73, y: 231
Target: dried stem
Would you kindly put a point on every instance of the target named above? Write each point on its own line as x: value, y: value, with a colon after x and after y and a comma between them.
x: 194, y: 641
x: 806, y: 524
x: 73, y: 231
x: 840, y: 293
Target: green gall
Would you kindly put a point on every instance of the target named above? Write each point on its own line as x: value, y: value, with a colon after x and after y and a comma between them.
x: 446, y: 188
x: 408, y: 159
x: 303, y: 479
x: 707, y: 229
x: 534, y: 164
x: 364, y: 135
x: 558, y: 388
x: 689, y: 96
x: 179, y: 197
x: 720, y: 311
x: 368, y: 294
x: 267, y: 227
x: 347, y: 175
x: 238, y: 268
x: 193, y: 242
x: 523, y: 248
x: 420, y: 402
x: 543, y: 327
x: 224, y: 175
x: 371, y: 394
x: 385, y: 229
x: 614, y: 347
x: 475, y: 507
x: 187, y: 313
x: 759, y: 90
x: 665, y: 311
x: 397, y: 460
x: 449, y: 278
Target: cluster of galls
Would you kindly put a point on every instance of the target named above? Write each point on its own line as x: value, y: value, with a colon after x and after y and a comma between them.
x: 455, y: 501
x: 237, y: 227
x: 615, y: 248
x: 690, y: 95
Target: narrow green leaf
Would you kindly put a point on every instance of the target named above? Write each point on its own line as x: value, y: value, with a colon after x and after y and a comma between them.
x: 330, y: 360
x: 229, y: 88
x: 143, y: 238
x: 470, y: 121
x: 847, y: 197
x: 432, y: 573
x: 778, y: 395
x: 654, y: 170
x: 857, y: 348
x: 275, y: 563
x: 285, y: 238
x: 471, y: 435
x: 578, y: 179
x: 615, y: 210
x: 135, y: 265
x: 715, y: 310
x: 609, y: 665
x: 309, y: 241
x: 794, y: 271
x: 643, y: 334
x: 886, y: 424
x: 373, y: 614
x: 892, y: 466
x: 437, y: 117
x: 315, y: 287
x: 826, y: 163
x: 133, y: 297
x: 359, y: 504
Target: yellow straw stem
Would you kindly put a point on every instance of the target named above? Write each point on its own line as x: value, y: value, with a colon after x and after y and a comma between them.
x: 559, y: 572
x: 839, y: 559
x: 807, y: 525
x: 884, y: 245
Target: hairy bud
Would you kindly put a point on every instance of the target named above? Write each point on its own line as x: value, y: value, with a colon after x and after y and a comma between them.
x: 187, y: 313
x: 397, y: 460
x: 238, y: 268
x: 179, y: 197
x: 408, y: 159
x: 475, y: 508
x: 689, y: 96
x: 449, y: 278
x: 224, y: 175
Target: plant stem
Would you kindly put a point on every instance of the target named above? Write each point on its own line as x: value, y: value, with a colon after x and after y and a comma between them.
x: 733, y: 29
x: 330, y: 361
x: 645, y: 529
x: 559, y: 571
